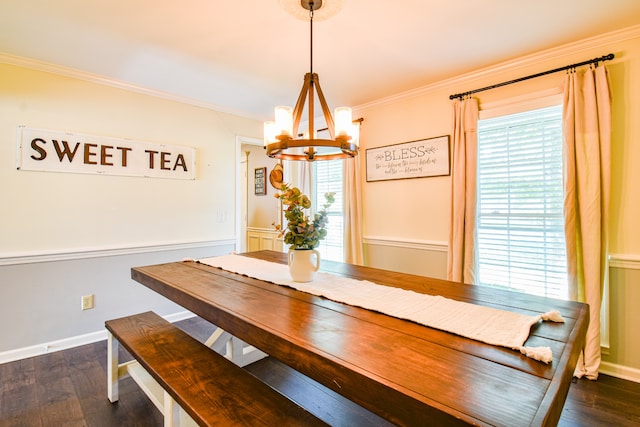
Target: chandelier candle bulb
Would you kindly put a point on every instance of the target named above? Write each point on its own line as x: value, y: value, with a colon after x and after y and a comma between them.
x: 284, y: 121
x: 355, y: 134
x: 269, y: 133
x: 343, y: 121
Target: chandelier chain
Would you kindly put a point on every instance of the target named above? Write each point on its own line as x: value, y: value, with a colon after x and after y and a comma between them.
x: 311, y: 37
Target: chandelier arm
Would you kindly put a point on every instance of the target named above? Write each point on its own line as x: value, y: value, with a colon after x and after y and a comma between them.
x: 325, y: 108
x: 311, y: 107
x: 299, y: 107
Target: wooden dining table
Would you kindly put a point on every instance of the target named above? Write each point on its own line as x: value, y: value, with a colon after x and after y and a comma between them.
x: 409, y: 374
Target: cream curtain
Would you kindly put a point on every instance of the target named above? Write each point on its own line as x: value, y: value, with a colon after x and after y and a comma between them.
x: 305, y: 177
x: 587, y: 134
x: 461, y: 257
x: 352, y: 214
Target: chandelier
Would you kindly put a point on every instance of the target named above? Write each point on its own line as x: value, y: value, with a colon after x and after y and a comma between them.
x: 281, y: 138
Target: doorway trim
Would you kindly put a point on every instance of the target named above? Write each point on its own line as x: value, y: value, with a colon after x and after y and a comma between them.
x: 241, y: 190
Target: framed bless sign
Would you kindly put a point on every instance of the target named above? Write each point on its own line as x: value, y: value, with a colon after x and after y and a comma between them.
x: 415, y: 159
x: 260, y: 179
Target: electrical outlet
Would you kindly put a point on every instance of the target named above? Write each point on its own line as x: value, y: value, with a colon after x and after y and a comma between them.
x: 87, y: 302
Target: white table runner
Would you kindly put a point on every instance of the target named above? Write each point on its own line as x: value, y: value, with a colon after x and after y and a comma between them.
x: 486, y: 324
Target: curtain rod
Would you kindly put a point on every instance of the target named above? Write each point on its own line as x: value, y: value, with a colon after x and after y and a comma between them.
x: 568, y: 67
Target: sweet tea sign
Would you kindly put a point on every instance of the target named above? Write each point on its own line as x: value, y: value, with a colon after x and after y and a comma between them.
x: 58, y: 151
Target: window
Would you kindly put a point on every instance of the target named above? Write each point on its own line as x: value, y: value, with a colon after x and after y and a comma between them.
x: 327, y: 177
x: 520, y: 223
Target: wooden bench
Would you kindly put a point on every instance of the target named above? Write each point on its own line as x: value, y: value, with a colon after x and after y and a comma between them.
x: 209, y: 388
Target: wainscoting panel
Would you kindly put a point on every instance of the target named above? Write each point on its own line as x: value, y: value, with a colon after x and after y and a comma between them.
x: 423, y: 258
x: 259, y: 239
x: 40, y: 306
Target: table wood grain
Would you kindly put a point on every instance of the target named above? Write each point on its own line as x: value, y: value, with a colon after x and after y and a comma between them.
x: 402, y: 371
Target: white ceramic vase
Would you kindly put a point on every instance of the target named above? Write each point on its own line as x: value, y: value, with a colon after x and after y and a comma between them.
x: 303, y: 264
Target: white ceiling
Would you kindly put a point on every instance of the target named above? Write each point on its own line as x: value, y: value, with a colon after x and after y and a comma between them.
x: 248, y: 56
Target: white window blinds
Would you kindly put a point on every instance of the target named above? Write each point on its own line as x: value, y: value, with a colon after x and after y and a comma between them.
x: 520, y: 225
x: 328, y: 178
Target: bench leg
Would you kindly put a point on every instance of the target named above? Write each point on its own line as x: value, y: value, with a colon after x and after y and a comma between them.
x: 215, y: 336
x: 112, y: 368
x: 171, y: 411
x: 232, y: 348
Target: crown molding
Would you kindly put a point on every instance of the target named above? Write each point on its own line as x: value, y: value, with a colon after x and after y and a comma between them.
x: 468, y: 78
x: 542, y: 57
x: 47, y: 67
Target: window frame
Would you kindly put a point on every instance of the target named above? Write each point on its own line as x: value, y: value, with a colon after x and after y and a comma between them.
x: 505, y: 108
x: 332, y: 252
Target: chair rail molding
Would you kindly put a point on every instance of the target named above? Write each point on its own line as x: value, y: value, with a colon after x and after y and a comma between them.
x: 106, y: 251
x: 628, y: 261
x: 397, y: 242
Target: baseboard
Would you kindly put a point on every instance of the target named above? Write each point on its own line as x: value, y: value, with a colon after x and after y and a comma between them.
x: 619, y: 371
x: 66, y: 343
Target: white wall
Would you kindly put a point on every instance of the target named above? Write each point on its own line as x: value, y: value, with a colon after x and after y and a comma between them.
x: 76, y: 211
x: 66, y: 235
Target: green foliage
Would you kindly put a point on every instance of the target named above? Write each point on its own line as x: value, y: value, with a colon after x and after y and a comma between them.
x: 301, y: 232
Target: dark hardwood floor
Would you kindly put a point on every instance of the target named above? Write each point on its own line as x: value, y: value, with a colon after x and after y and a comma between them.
x: 68, y: 388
